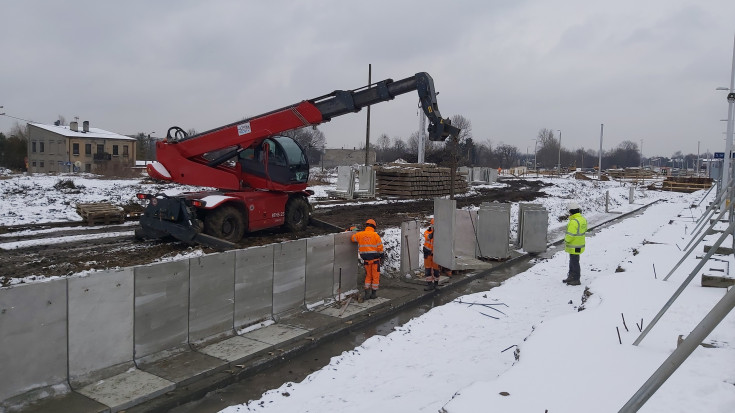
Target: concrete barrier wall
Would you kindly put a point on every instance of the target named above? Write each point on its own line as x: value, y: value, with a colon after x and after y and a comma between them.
x: 289, y: 275
x: 465, y: 233
x: 144, y: 313
x: 494, y: 230
x: 33, y: 337
x: 253, y: 285
x: 161, y: 307
x: 444, y: 229
x: 345, y: 263
x: 319, y: 268
x: 535, y: 230
x: 100, y: 325
x: 411, y: 256
x: 211, y: 296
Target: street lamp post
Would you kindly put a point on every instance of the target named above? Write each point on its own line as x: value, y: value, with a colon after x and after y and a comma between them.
x: 726, y: 168
x: 535, y: 151
x: 559, y: 170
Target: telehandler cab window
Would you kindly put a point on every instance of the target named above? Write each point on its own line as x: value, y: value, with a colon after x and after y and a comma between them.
x: 286, y: 161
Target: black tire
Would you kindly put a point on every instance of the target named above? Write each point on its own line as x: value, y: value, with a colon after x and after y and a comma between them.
x: 226, y: 222
x: 297, y: 214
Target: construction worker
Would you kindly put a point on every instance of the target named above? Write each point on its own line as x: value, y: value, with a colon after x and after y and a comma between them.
x: 431, y: 269
x: 574, y: 242
x: 370, y: 248
x: 352, y: 228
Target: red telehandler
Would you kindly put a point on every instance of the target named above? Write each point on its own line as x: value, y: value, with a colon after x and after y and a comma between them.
x: 260, y: 176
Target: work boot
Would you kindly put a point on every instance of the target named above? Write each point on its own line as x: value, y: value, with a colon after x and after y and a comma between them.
x: 367, y: 295
x: 574, y: 281
x: 436, y: 285
x: 374, y: 294
x: 429, y: 286
x: 566, y: 280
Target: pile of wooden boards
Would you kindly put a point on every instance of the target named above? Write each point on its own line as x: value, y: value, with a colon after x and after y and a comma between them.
x: 416, y: 181
x: 686, y: 184
x: 101, y: 213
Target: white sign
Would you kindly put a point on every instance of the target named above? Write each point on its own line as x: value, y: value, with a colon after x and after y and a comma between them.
x: 243, y: 128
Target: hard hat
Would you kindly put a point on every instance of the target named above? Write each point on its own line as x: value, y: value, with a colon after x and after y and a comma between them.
x: 572, y: 205
x: 371, y: 222
x: 432, y: 221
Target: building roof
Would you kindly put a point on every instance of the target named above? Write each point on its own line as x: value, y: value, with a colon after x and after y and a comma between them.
x: 93, y: 132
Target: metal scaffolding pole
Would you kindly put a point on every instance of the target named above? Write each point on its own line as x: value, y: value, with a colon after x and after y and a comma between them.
x: 682, y: 352
x: 686, y: 282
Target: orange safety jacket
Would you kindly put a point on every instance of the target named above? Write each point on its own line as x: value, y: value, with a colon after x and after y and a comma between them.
x: 429, y: 241
x: 370, y: 246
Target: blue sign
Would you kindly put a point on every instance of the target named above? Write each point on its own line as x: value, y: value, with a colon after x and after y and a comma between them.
x: 719, y: 155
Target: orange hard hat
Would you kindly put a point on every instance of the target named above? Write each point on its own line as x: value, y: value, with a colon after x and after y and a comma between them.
x: 371, y: 222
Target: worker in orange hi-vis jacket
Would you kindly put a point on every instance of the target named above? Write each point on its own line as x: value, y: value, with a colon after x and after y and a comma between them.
x: 370, y: 248
x: 431, y: 269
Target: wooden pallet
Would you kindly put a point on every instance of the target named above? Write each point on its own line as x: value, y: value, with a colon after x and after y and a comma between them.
x: 101, y: 213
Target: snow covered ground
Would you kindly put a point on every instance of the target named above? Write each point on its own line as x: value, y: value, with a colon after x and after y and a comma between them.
x: 542, y: 353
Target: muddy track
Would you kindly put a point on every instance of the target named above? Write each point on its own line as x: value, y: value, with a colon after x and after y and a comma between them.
x: 85, y: 248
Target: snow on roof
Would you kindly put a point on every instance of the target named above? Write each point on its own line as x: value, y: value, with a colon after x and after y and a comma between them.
x: 93, y: 132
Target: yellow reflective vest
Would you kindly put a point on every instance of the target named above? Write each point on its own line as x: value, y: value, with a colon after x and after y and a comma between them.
x: 574, y: 238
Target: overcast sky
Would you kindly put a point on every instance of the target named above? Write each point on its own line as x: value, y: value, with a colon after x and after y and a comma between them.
x: 645, y: 69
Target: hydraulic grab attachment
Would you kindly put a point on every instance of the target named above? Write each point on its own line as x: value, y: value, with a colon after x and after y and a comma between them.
x: 260, y: 176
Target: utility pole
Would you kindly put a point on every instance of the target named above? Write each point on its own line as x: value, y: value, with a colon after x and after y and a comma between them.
x: 367, y: 132
x: 599, y: 161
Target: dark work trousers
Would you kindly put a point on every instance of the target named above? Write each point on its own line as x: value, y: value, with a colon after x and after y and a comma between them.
x: 574, y: 271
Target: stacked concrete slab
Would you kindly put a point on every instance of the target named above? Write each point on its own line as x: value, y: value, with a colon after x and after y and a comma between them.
x: 124, y: 336
x: 365, y: 182
x: 345, y: 187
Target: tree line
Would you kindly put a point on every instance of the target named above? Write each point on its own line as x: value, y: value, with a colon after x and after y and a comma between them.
x: 469, y: 151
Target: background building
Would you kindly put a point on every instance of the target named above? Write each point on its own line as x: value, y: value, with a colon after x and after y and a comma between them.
x: 53, y: 148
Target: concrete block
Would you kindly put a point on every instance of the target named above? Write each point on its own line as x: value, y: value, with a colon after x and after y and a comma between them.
x: 161, y: 307
x: 275, y: 334
x: 211, y: 296
x: 411, y: 255
x: 535, y: 230
x: 289, y: 275
x: 319, y: 268
x: 33, y: 337
x: 494, y: 230
x: 253, y: 285
x: 444, y: 229
x: 100, y: 325
x: 345, y: 263
x: 184, y: 368
x: 717, y: 281
x: 465, y: 233
x: 720, y: 250
x: 127, y: 389
x: 234, y: 349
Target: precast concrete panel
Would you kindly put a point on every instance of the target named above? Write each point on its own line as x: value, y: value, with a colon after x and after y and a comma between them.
x: 161, y: 307
x: 535, y: 230
x: 493, y: 230
x: 411, y: 255
x: 523, y: 206
x: 253, y: 285
x: 465, y: 241
x: 344, y: 176
x: 33, y: 337
x: 289, y: 275
x: 345, y: 263
x: 319, y: 268
x: 444, y: 229
x: 466, y: 171
x: 492, y: 176
x: 211, y: 296
x: 100, y: 325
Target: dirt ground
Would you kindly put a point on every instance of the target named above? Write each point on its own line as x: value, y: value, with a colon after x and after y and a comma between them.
x: 123, y: 251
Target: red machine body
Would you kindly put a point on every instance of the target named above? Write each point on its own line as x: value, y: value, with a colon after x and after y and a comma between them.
x: 261, y: 177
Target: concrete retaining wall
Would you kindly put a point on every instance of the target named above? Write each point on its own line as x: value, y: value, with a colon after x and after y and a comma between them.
x: 83, y: 329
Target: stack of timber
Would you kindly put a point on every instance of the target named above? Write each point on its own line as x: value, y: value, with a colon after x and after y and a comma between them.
x: 417, y: 181
x: 101, y: 213
x: 686, y: 184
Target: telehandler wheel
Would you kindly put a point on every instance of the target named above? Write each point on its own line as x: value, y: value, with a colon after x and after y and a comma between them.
x: 297, y: 214
x: 226, y: 222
